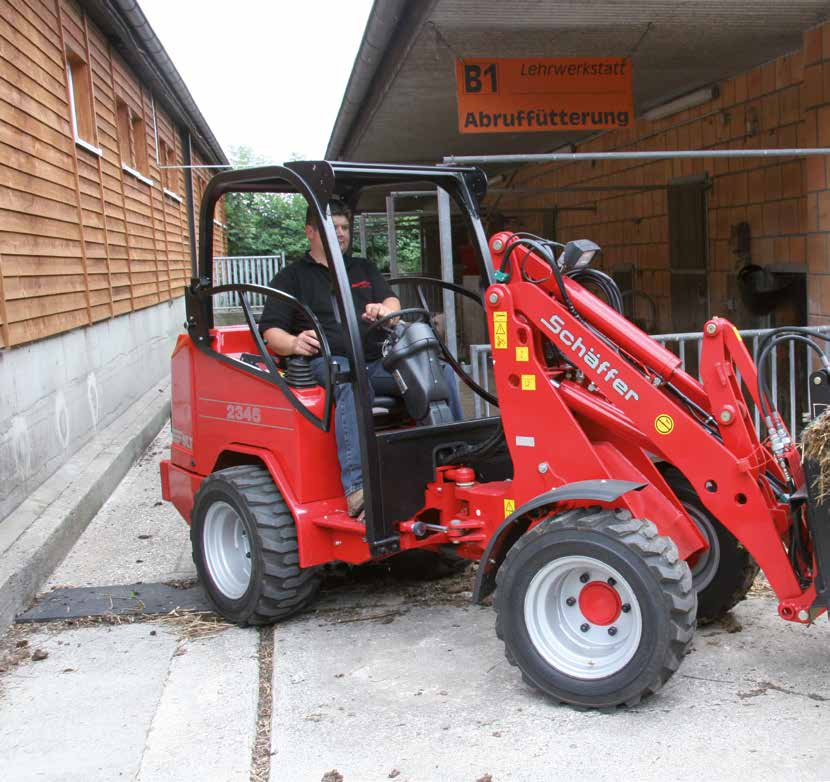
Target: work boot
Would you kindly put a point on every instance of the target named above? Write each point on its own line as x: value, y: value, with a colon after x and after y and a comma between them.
x: 354, y: 502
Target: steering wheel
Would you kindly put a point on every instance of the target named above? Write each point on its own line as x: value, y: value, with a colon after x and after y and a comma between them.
x: 418, y: 282
x: 423, y: 314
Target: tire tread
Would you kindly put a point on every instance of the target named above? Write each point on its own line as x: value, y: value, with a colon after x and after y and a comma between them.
x: 286, y: 588
x: 657, y: 552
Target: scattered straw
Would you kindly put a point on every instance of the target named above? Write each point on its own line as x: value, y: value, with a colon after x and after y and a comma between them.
x: 815, y: 446
x: 261, y: 754
x: 192, y: 625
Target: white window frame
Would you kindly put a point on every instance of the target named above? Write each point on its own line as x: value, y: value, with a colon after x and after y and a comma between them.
x: 81, y: 142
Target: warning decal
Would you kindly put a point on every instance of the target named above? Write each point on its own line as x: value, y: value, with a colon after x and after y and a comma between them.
x: 522, y: 354
x: 528, y: 382
x: 500, y: 330
x: 509, y: 507
x: 664, y: 423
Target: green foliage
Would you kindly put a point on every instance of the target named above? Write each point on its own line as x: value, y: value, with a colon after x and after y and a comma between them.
x: 267, y: 224
x: 263, y: 223
x: 408, y: 243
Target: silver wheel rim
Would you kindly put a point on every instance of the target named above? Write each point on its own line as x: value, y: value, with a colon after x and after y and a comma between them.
x: 706, y: 565
x: 557, y: 628
x: 227, y: 550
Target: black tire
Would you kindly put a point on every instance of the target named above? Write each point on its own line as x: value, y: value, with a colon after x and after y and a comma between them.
x: 277, y: 587
x: 660, y: 617
x: 421, y: 565
x: 723, y: 576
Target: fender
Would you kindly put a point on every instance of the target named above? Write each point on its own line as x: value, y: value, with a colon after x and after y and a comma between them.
x: 517, y: 523
x: 270, y: 463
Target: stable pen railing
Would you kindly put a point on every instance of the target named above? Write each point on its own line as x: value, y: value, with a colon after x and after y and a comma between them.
x: 790, y: 397
x: 244, y: 270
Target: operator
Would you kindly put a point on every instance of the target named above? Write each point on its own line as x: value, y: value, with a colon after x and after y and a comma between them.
x: 286, y: 332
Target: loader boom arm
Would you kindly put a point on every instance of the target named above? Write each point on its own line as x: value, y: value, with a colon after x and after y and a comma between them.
x: 628, y: 391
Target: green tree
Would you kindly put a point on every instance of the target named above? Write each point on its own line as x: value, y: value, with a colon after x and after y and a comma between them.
x: 263, y: 223
x: 271, y: 223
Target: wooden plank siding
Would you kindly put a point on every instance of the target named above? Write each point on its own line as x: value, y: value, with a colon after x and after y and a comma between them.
x: 82, y: 239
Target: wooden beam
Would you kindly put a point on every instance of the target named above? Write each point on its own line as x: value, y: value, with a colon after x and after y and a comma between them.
x: 69, y: 99
x: 151, y: 188
x: 121, y: 177
x: 100, y: 165
x: 5, y: 327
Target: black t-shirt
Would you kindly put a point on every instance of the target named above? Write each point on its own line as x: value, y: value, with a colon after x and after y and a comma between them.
x: 310, y: 283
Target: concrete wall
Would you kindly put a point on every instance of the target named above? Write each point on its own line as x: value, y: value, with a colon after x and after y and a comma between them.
x: 786, y: 201
x: 56, y: 393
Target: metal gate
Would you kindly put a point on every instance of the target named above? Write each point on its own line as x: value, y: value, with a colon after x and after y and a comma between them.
x: 791, y: 396
x: 248, y: 269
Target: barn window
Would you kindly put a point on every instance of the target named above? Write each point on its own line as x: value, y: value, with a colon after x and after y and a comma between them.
x: 80, y: 101
x: 166, y: 158
x: 132, y: 140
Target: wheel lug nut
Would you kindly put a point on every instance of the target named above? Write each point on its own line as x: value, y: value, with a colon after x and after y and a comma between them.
x: 612, y: 582
x: 626, y: 608
x: 612, y: 631
x: 584, y: 578
x: 571, y: 601
x: 585, y: 627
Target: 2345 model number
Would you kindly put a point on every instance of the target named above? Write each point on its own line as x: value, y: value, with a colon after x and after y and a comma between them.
x: 246, y: 413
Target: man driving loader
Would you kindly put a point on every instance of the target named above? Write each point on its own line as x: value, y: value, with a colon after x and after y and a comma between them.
x: 286, y: 333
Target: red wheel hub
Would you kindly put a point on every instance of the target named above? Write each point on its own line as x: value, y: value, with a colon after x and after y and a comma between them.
x: 600, y: 604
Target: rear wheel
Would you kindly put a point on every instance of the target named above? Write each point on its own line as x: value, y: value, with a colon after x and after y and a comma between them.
x: 722, y: 575
x: 595, y: 608
x: 245, y: 548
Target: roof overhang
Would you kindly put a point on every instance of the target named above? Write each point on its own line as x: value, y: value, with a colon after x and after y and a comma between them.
x: 130, y: 34
x: 400, y: 103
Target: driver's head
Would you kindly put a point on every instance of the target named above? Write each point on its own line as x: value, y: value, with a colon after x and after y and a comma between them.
x: 341, y: 216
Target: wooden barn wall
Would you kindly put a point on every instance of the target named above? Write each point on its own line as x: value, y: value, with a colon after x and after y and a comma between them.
x: 81, y: 239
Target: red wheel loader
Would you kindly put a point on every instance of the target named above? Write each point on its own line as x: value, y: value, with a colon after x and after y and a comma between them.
x: 614, y: 501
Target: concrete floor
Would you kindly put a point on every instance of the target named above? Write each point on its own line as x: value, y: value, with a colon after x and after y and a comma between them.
x: 380, y: 678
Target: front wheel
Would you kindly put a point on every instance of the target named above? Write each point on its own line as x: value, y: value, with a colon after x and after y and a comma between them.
x: 595, y: 608
x: 245, y: 548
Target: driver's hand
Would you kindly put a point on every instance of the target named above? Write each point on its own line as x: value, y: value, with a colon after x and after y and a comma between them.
x: 306, y: 344
x: 374, y: 311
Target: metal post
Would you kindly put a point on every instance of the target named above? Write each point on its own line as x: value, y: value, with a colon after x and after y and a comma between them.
x: 445, y: 238
x: 361, y: 227
x: 680, y: 154
x: 392, y: 236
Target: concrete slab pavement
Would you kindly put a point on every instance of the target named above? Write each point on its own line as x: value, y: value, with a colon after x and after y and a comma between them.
x: 431, y: 695
x: 134, y: 536
x: 203, y: 728
x: 83, y: 713
x: 131, y: 701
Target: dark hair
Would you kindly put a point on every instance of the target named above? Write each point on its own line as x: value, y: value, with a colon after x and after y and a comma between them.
x: 337, y: 208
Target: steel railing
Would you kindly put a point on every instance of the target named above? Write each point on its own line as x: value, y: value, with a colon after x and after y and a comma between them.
x: 247, y: 269
x: 791, y: 395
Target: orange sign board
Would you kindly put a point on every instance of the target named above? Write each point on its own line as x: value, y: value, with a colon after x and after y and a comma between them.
x: 499, y: 95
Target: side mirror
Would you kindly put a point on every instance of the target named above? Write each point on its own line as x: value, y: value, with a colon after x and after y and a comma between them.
x: 578, y: 253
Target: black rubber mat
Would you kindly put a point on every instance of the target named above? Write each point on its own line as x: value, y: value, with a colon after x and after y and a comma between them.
x: 136, y: 599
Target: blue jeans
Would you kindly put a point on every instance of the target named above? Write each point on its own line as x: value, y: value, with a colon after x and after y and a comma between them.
x: 345, y: 414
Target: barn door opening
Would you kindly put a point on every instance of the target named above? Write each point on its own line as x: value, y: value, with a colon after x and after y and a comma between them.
x: 688, y: 253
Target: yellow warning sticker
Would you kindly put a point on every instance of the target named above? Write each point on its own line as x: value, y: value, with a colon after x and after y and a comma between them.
x: 664, y: 423
x: 500, y: 330
x: 737, y: 334
x: 522, y: 354
x: 509, y: 507
x: 528, y: 382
